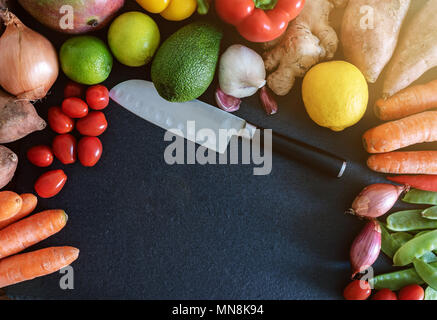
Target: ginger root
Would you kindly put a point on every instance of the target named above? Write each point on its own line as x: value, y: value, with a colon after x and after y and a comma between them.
x: 308, y: 40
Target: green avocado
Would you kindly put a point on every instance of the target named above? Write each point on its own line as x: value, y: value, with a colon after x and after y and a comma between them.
x: 185, y: 65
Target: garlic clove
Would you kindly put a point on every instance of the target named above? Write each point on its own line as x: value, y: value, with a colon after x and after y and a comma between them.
x: 226, y: 102
x: 268, y: 101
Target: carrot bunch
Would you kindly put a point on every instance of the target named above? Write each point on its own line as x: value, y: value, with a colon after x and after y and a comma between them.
x: 412, y: 124
x: 18, y: 233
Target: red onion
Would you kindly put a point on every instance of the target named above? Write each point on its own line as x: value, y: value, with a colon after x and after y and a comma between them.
x: 376, y: 200
x: 366, y: 247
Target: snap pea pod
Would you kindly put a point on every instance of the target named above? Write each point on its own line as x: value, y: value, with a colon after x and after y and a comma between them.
x: 427, y: 272
x: 420, y: 197
x: 409, y: 220
x: 416, y: 248
x: 390, y: 243
x: 429, y: 256
x: 430, y: 294
x: 398, y: 279
x: 402, y: 237
x: 430, y: 213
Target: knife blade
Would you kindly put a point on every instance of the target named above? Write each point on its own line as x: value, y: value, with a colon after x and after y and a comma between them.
x: 141, y: 98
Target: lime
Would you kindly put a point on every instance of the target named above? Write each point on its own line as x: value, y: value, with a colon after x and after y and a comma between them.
x: 133, y: 38
x: 335, y: 94
x: 86, y: 60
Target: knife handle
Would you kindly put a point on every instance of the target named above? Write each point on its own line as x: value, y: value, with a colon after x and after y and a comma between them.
x: 309, y: 155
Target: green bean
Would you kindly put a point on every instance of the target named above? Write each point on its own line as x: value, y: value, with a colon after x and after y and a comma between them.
x: 430, y: 294
x: 426, y: 272
x: 415, y: 248
x: 398, y: 279
x: 430, y: 213
x: 409, y: 220
x: 420, y: 197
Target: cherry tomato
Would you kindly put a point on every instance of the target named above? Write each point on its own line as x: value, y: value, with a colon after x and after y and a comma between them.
x: 97, y: 97
x: 74, y: 89
x: 50, y: 183
x: 90, y: 151
x: 384, y: 294
x: 74, y: 107
x: 412, y: 292
x: 94, y: 124
x: 65, y: 148
x: 60, y: 122
x: 357, y: 290
x: 40, y: 156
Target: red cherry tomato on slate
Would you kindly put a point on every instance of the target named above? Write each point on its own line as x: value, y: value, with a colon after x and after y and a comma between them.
x: 412, y: 292
x: 40, y: 156
x: 50, y: 183
x: 357, y: 290
x: 59, y: 121
x: 97, y: 97
x: 90, y: 150
x: 65, y: 148
x: 75, y: 107
x: 74, y: 89
x: 384, y: 294
x: 94, y: 124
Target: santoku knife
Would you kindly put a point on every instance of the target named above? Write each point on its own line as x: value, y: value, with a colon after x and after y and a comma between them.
x: 141, y: 98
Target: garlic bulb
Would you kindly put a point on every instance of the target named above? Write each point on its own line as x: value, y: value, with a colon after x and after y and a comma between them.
x: 241, y: 72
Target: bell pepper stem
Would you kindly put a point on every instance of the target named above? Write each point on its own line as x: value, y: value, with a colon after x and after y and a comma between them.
x: 203, y: 6
x: 265, y: 4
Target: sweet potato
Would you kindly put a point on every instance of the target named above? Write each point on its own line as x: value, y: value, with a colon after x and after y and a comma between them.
x: 18, y: 118
x: 367, y: 45
x: 416, y: 52
x: 8, y: 165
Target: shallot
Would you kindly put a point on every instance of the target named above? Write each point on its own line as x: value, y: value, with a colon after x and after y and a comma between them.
x: 366, y: 247
x: 376, y: 200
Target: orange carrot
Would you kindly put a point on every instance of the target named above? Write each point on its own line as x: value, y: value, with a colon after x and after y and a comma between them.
x: 10, y: 204
x: 412, y: 162
x: 402, y: 133
x: 28, y: 266
x: 29, y: 204
x: 409, y: 101
x: 29, y: 231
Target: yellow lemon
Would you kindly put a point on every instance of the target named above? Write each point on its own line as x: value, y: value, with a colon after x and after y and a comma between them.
x: 335, y: 94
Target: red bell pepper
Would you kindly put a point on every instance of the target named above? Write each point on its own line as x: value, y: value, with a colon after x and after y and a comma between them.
x: 259, y: 20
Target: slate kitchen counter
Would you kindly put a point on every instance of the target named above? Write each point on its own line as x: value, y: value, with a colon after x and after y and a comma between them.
x: 147, y: 230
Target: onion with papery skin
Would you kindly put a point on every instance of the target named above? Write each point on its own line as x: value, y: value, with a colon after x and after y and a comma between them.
x: 28, y: 61
x: 366, y: 247
x: 376, y: 200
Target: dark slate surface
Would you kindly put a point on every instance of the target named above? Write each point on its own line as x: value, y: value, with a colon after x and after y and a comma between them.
x: 147, y: 230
